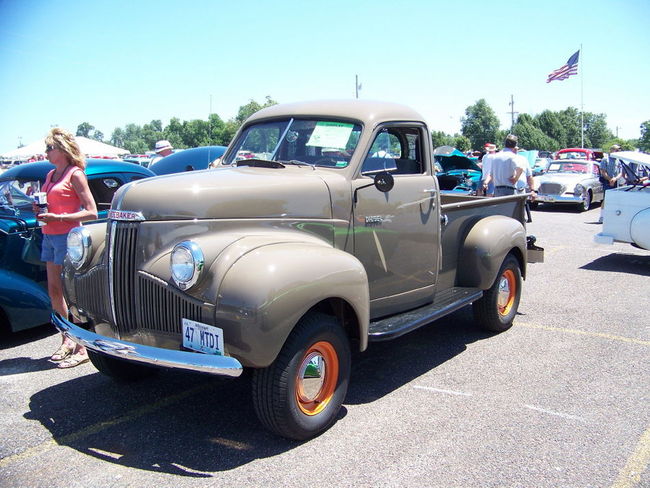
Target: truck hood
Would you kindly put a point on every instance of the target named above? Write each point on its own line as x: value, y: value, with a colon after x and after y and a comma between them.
x: 230, y: 193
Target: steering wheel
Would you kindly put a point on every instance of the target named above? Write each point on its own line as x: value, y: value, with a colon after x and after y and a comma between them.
x: 325, y: 162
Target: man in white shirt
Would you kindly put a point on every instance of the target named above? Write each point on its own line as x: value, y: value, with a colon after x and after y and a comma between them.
x: 505, y: 171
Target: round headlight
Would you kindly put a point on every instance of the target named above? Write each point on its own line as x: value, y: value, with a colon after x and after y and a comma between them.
x: 578, y: 190
x: 186, y: 264
x: 78, y: 243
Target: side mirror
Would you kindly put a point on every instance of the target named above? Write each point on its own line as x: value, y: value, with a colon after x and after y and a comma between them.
x: 384, y: 181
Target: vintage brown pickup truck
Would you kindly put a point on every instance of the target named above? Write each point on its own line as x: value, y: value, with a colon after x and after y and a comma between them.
x: 322, y: 229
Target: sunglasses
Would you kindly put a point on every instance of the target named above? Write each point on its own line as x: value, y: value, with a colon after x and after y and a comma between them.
x: 50, y: 147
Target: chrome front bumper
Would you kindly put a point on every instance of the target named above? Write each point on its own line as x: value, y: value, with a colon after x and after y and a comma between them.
x: 155, y: 356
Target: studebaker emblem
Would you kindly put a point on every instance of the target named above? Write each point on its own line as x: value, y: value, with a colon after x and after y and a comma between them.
x: 374, y: 219
x: 127, y: 215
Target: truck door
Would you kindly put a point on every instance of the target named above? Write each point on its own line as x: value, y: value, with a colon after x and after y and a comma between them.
x: 397, y: 233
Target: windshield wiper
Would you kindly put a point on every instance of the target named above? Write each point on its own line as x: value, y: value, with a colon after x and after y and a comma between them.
x: 260, y: 163
x: 298, y: 163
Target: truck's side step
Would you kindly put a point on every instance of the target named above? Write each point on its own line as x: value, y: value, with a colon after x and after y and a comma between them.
x: 445, y: 303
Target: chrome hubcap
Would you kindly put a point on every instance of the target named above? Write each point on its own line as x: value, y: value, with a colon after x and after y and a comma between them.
x: 311, y: 376
x: 504, y: 293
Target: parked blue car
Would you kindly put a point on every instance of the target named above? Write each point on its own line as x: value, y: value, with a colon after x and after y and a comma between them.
x: 24, y: 302
x: 187, y: 160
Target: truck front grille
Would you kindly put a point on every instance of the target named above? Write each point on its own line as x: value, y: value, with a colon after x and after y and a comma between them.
x: 122, y: 258
x: 141, y: 301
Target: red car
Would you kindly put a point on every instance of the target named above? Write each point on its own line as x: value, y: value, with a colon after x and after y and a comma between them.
x: 579, y: 153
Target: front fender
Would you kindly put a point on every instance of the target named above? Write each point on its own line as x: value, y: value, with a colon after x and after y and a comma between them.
x: 267, y: 290
x: 25, y: 303
x: 485, y: 248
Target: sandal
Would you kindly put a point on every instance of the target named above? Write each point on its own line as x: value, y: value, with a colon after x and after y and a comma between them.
x: 62, y: 353
x: 74, y: 360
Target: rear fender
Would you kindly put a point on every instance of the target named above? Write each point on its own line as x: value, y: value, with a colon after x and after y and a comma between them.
x: 266, y: 291
x: 486, y: 246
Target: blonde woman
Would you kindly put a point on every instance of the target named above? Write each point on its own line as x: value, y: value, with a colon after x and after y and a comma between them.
x: 69, y: 202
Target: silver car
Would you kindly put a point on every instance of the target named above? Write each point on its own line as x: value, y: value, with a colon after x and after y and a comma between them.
x: 570, y: 181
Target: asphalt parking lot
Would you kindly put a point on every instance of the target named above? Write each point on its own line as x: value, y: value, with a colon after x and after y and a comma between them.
x: 559, y: 400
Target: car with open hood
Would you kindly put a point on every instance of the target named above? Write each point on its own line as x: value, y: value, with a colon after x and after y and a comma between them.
x: 24, y: 302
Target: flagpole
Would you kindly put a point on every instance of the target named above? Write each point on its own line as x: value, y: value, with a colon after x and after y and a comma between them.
x: 582, y: 100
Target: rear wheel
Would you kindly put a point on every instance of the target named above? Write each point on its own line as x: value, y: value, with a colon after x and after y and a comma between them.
x: 300, y: 394
x: 119, y: 369
x: 496, y: 310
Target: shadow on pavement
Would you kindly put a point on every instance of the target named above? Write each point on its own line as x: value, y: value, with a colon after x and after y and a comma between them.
x: 13, y: 339
x: 194, y: 425
x: 621, y: 263
x: 24, y: 365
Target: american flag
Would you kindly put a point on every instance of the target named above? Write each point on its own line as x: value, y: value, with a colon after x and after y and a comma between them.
x: 570, y: 68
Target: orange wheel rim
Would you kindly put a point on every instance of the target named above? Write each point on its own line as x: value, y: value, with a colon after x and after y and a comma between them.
x: 507, y: 292
x: 316, y: 378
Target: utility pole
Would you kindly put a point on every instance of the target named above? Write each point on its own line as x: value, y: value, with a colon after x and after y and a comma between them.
x: 357, y: 86
x: 512, y: 112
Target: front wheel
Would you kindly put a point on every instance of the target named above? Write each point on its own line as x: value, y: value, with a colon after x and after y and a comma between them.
x: 496, y: 310
x: 586, y: 201
x: 299, y: 395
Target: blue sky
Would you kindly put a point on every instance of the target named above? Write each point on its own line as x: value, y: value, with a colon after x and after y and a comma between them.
x: 119, y: 62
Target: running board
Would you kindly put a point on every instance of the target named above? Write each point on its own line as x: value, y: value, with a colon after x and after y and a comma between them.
x: 445, y: 303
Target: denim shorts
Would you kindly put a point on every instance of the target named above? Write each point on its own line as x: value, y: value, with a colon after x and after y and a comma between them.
x: 54, y: 248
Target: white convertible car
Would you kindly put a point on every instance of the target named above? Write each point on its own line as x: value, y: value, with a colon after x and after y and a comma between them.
x: 569, y: 181
x: 626, y: 216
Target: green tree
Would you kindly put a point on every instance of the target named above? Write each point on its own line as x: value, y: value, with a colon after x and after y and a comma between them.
x: 84, y: 129
x: 251, y: 107
x: 480, y: 124
x: 98, y: 135
x: 530, y: 136
x: 644, y: 140
x: 596, y: 130
x: 439, y: 138
x: 550, y: 124
x: 152, y: 132
x: 462, y: 143
x: 571, y: 121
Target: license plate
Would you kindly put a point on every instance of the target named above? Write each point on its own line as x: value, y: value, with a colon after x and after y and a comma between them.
x: 202, y: 337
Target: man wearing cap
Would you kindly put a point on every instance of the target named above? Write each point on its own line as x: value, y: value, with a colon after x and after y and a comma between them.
x: 505, y: 171
x: 486, y: 184
x: 163, y: 148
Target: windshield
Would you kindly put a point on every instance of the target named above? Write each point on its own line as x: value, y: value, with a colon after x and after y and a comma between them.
x: 572, y: 155
x: 14, y: 193
x: 568, y: 168
x: 311, y: 141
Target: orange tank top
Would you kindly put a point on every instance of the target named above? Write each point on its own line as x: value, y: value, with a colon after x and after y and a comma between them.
x: 61, y: 199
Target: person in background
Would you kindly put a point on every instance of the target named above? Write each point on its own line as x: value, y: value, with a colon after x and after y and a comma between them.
x: 69, y: 202
x: 487, y: 185
x: 163, y: 148
x: 505, y: 171
x: 525, y: 183
x: 609, y: 169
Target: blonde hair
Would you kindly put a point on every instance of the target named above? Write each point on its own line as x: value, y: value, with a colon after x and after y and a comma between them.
x: 64, y: 140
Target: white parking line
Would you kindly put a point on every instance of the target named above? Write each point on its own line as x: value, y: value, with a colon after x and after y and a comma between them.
x: 438, y: 390
x: 557, y: 414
